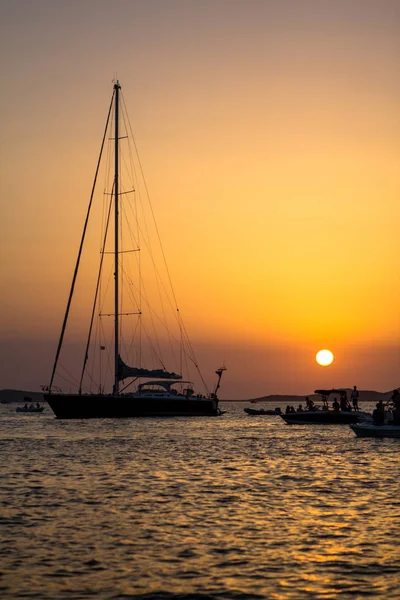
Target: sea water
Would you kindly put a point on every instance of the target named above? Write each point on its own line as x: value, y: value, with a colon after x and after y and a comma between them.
x: 234, y: 507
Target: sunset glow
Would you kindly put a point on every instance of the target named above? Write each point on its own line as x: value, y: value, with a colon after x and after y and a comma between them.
x: 269, y: 138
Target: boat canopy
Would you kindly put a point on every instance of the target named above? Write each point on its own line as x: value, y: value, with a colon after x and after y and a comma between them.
x: 327, y: 392
x: 164, y: 384
x: 124, y: 371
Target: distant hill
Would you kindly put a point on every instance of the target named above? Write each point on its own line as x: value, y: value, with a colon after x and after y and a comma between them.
x: 365, y: 396
x: 7, y: 396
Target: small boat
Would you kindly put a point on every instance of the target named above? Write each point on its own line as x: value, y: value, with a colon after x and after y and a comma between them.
x: 137, y: 316
x: 29, y: 409
x: 263, y: 411
x: 341, y: 414
x: 385, y: 420
x: 387, y: 430
x: 323, y: 417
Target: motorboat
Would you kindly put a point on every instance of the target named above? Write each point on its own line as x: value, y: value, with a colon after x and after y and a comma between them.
x: 325, y: 417
x: 29, y: 409
x: 339, y: 414
x: 385, y: 420
x: 263, y: 411
x: 387, y: 430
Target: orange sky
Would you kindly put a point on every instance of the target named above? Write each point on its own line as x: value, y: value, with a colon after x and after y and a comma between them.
x: 270, y: 137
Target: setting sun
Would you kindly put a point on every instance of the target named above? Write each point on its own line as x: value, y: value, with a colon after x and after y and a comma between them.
x: 324, y: 357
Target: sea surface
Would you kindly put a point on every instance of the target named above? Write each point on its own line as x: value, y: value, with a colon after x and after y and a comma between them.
x: 234, y: 507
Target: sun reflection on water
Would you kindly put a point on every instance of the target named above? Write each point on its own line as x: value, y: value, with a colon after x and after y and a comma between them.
x: 235, y: 506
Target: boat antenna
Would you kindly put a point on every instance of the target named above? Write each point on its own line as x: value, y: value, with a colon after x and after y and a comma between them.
x: 219, y: 373
x: 117, y: 88
x: 71, y: 293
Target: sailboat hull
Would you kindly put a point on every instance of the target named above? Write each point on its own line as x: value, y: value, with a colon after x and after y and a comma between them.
x: 93, y: 406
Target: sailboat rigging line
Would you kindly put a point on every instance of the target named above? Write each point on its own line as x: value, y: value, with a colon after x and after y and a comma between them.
x: 131, y: 168
x: 189, y: 353
x: 80, y: 250
x: 159, y: 280
x: 120, y: 314
x: 128, y: 349
x: 72, y: 378
x: 93, y: 382
x: 193, y: 356
x: 152, y: 314
x: 154, y: 348
x: 124, y: 251
x: 129, y: 384
x: 120, y: 193
x: 108, y: 368
x: 133, y: 171
x: 150, y: 204
x: 104, y: 294
x: 145, y: 234
x: 158, y: 236
x: 95, y: 297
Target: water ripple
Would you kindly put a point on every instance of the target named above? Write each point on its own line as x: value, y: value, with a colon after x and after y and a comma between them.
x: 231, y: 508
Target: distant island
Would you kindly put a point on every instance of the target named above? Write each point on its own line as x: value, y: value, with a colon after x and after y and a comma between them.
x: 365, y: 396
x: 8, y: 396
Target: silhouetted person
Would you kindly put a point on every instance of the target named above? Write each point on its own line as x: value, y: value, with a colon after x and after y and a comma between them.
x: 300, y: 409
x: 335, y: 405
x: 309, y: 404
x: 287, y: 409
x: 378, y: 416
x: 354, y: 397
x: 395, y: 399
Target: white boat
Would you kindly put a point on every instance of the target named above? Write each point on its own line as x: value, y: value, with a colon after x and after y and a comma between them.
x: 385, y: 420
x: 159, y: 391
x: 387, y: 430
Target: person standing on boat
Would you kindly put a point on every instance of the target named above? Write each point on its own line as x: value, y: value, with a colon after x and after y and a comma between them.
x: 395, y: 400
x: 378, y: 416
x: 309, y: 404
x: 344, y: 403
x: 354, y: 398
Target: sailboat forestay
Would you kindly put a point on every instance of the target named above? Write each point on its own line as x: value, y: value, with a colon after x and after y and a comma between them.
x: 159, y: 391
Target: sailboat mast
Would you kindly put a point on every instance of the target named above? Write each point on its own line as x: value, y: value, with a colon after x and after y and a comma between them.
x: 117, y: 88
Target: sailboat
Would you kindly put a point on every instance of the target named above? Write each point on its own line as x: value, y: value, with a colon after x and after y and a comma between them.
x: 159, y: 391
